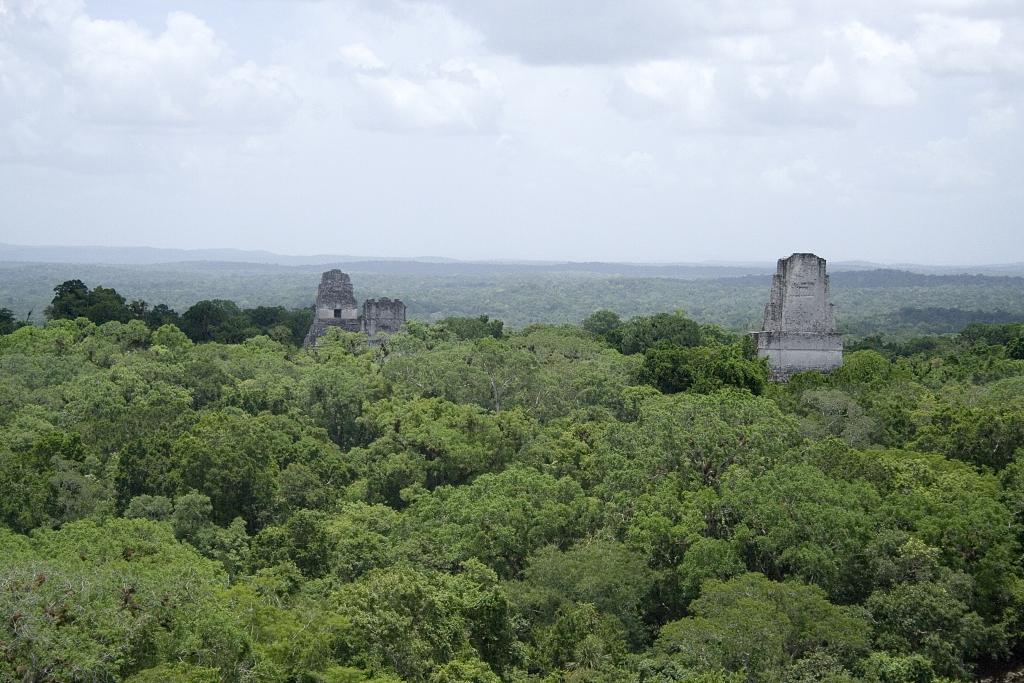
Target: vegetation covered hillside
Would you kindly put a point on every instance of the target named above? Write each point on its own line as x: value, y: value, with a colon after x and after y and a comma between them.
x: 617, y: 501
x: 867, y: 302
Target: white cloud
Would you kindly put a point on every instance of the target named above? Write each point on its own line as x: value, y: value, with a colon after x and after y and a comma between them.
x: 456, y: 96
x: 518, y: 116
x: 361, y: 58
x: 805, y: 178
x: 951, y: 44
x: 118, y: 73
x: 996, y: 120
x: 821, y: 81
x: 746, y: 48
x: 796, y: 177
x: 883, y: 66
x: 63, y: 72
x: 874, y: 47
x: 614, y: 32
x: 946, y: 165
x: 681, y: 88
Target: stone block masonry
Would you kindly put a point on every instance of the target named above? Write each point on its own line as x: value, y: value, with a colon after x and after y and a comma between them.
x: 336, y: 307
x: 383, y: 316
x: 799, y: 329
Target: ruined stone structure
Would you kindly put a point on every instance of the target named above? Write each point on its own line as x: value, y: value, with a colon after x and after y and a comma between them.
x: 382, y: 316
x: 336, y: 307
x: 799, y: 330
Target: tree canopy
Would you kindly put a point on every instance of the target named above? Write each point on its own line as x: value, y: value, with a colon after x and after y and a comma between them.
x: 197, y: 498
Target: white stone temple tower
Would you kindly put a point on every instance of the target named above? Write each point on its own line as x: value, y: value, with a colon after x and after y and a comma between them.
x: 799, y: 329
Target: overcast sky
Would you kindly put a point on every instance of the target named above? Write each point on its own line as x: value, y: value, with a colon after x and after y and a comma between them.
x: 640, y: 130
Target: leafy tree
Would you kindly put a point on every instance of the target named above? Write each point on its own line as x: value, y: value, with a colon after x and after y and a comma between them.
x: 361, y: 537
x: 412, y: 622
x: 70, y: 300
x: 760, y: 627
x: 215, y: 319
x: 795, y: 521
x: 171, y: 337
x: 982, y: 436
x: 642, y: 333
x: 105, y: 305
x: 508, y: 372
x: 692, y: 440
x: 8, y: 323
x: 106, y: 601
x: 605, y: 574
x: 161, y: 315
x: 336, y: 391
x: 1015, y: 347
x: 431, y: 442
x: 464, y: 671
x: 673, y: 369
x: 932, y: 620
x: 230, y: 457
x: 831, y: 412
x: 602, y: 324
x: 303, y: 539
x: 26, y: 497
x: 156, y: 508
x: 466, y: 329
x: 498, y: 518
x: 580, y: 638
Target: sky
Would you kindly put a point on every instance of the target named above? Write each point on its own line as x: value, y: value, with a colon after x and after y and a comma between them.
x: 636, y: 130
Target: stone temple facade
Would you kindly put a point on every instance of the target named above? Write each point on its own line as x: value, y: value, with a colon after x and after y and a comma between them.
x: 799, y: 329
x: 336, y: 307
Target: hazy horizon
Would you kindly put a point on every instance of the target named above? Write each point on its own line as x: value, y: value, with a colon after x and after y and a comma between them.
x: 642, y: 132
x: 207, y: 253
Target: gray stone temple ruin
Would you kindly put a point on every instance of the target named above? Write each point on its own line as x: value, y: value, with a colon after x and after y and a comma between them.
x: 336, y: 307
x: 799, y: 329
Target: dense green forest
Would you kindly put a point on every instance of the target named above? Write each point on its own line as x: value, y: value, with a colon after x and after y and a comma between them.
x: 890, y: 302
x: 189, y: 496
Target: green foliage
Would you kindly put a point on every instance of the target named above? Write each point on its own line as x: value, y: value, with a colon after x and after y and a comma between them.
x: 216, y: 320
x: 602, y: 323
x: 72, y: 299
x: 605, y: 574
x: 232, y: 458
x: 702, y: 370
x: 986, y: 436
x: 760, y: 627
x: 465, y: 329
x: 498, y: 518
x: 645, y: 332
x: 102, y: 602
x: 469, y: 502
x: 170, y: 337
x: 386, y: 630
x: 1015, y: 347
x: 428, y: 443
x: 795, y: 521
x: 8, y: 323
x: 932, y: 620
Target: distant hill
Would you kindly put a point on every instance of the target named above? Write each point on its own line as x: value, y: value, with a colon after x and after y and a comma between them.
x: 252, y: 260
x: 156, y: 255
x: 888, y: 277
x: 867, y: 301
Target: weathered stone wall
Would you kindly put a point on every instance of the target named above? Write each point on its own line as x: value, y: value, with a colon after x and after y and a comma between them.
x: 799, y: 329
x: 336, y: 307
x: 799, y: 297
x: 383, y: 316
x: 791, y: 352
